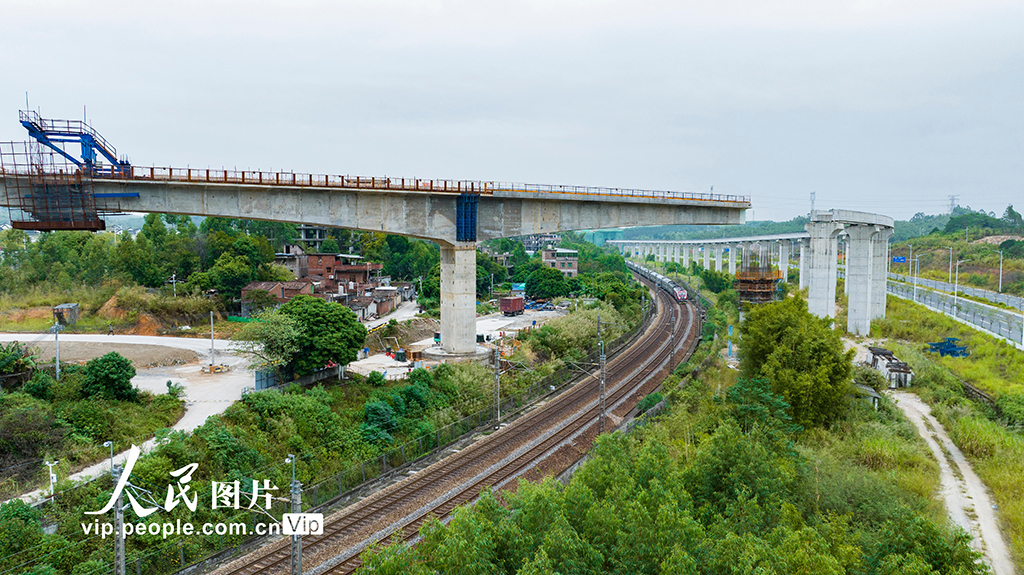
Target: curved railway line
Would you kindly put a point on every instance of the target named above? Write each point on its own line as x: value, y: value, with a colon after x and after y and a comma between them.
x: 546, y: 440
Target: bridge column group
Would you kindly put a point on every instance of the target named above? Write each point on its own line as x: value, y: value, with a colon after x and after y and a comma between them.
x: 458, y: 298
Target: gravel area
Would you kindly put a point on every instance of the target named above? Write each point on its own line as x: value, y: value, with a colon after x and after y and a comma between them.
x: 140, y: 355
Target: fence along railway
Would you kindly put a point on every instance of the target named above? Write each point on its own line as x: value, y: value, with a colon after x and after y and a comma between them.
x: 545, y: 441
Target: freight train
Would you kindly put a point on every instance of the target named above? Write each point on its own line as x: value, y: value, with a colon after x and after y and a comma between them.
x: 661, y: 281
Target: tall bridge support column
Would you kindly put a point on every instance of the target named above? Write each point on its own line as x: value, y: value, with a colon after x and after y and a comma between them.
x: 718, y: 257
x: 860, y: 258
x: 675, y: 253
x: 821, y: 296
x: 805, y: 267
x: 458, y: 297
x: 784, y: 260
x: 745, y: 259
x: 707, y: 256
x: 879, y: 271
x: 732, y: 259
x: 846, y: 261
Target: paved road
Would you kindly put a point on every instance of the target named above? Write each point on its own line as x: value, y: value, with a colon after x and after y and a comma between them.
x: 966, y: 498
x: 205, y: 394
x: 1004, y: 298
x: 406, y: 310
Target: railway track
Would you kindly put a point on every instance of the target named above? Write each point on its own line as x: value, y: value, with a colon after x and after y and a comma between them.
x: 545, y: 440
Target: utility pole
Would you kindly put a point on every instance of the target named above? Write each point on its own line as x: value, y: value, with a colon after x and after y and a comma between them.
x: 497, y: 386
x: 296, y: 549
x: 119, y: 568
x: 602, y: 361
x: 56, y: 344
x: 53, y: 477
x: 213, y: 350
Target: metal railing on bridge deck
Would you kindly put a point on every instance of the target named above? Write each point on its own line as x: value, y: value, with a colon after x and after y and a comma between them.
x: 250, y: 177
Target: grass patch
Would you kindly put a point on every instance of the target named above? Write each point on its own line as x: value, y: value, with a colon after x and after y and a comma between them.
x: 995, y: 451
x: 993, y: 366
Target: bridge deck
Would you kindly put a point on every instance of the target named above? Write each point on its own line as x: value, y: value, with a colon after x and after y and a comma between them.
x: 487, y: 188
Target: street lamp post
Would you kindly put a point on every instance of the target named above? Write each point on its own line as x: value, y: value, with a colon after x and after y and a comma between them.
x: 1000, y: 270
x: 956, y: 284
x: 950, y: 265
x: 110, y: 444
x: 915, y: 264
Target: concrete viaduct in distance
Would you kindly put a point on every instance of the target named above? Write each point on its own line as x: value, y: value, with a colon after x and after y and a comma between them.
x: 455, y: 214
x: 866, y: 243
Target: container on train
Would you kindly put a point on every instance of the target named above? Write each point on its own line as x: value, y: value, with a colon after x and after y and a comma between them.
x: 511, y: 305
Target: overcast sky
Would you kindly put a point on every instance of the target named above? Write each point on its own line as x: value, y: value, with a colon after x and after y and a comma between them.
x: 876, y: 105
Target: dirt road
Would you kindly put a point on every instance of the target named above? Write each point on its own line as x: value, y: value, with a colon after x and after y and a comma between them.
x: 967, y: 501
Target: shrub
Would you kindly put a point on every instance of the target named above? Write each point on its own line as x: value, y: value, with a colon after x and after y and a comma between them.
x: 375, y: 379
x: 649, y: 401
x: 40, y: 386
x: 110, y: 377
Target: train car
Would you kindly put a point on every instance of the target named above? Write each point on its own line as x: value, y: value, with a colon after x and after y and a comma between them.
x: 676, y: 291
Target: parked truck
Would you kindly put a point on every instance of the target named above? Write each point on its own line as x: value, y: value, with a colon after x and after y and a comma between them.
x: 511, y: 305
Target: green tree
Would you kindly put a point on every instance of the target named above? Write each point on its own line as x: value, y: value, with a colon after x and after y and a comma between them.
x: 269, y: 342
x: 546, y: 283
x: 330, y: 246
x: 328, y: 332
x: 110, y: 377
x: 801, y: 355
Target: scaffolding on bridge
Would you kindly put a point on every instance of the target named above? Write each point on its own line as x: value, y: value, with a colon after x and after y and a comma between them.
x: 50, y: 188
x: 757, y: 285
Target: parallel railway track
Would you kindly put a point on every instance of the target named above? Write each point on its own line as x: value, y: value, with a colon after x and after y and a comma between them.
x: 543, y: 441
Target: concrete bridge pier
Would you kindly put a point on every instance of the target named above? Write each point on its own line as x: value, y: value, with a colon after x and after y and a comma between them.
x: 859, y: 260
x: 879, y: 270
x: 821, y: 297
x: 805, y: 253
x: 846, y: 261
x: 707, y: 256
x: 718, y: 257
x: 784, y: 259
x: 458, y: 298
x: 732, y: 258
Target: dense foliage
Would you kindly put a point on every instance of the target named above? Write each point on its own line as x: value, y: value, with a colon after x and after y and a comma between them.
x: 721, y: 489
x: 325, y: 332
x: 110, y: 377
x: 71, y: 418
x: 801, y: 355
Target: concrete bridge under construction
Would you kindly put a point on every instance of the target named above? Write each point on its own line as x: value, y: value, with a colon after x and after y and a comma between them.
x: 46, y: 188
x: 865, y: 239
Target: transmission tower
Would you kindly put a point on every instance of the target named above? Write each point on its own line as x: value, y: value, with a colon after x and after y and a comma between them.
x: 954, y: 200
